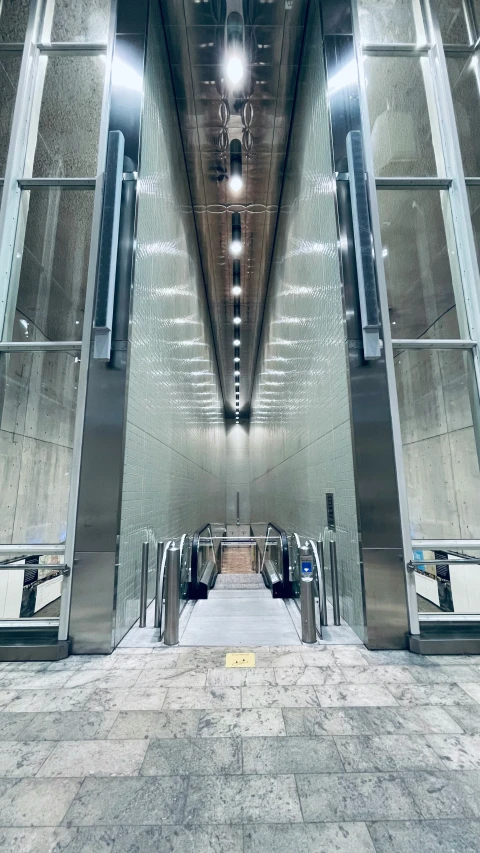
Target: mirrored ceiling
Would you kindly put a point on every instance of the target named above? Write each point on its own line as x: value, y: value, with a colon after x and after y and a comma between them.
x: 234, y: 66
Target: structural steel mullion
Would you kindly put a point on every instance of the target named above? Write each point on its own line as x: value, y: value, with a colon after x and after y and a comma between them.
x: 389, y: 357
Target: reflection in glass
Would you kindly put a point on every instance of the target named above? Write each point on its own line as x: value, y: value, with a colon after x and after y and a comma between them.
x: 38, y: 394
x: 54, y: 262
x: 419, y: 268
x: 435, y: 393
x: 464, y: 77
x: 9, y: 73
x: 391, y: 22
x: 453, y: 20
x: 70, y: 117
x: 32, y: 591
x: 399, y: 115
x: 13, y: 20
x: 80, y: 20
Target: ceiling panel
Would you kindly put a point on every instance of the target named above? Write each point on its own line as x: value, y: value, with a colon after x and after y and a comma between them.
x: 195, y: 34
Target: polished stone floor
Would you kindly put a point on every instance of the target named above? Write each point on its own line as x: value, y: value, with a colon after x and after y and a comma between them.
x: 327, y: 750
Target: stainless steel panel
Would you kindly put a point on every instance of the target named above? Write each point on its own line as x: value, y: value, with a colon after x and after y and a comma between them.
x: 386, y: 612
x: 91, y: 619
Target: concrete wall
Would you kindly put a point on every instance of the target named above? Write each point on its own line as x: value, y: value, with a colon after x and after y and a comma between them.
x: 175, y: 440
x: 300, y: 437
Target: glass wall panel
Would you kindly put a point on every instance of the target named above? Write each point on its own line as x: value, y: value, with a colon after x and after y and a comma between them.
x: 454, y: 21
x: 80, y: 20
x: 70, y: 117
x: 54, y: 263
x: 435, y: 393
x: 32, y: 592
x: 38, y: 394
x: 390, y: 22
x: 13, y: 20
x: 474, y: 201
x: 9, y: 74
x: 399, y: 116
x: 464, y: 74
x: 419, y: 268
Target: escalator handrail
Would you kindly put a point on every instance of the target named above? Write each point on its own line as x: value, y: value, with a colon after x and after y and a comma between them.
x: 285, y: 567
x: 194, y: 558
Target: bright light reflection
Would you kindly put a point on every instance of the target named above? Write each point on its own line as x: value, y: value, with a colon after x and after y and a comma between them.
x: 237, y: 320
x: 236, y: 290
x: 235, y: 248
x: 235, y: 69
x: 124, y: 76
x: 235, y: 183
x: 236, y: 342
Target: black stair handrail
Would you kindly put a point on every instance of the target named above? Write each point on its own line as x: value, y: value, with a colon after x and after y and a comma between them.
x: 194, y: 558
x: 285, y: 561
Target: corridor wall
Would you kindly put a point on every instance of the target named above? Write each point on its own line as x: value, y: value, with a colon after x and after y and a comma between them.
x: 300, y: 435
x: 174, y: 479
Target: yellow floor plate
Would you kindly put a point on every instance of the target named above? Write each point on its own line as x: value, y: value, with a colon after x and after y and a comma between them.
x: 248, y: 659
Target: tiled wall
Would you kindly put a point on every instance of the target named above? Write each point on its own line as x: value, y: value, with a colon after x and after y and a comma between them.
x: 175, y: 442
x: 300, y: 439
x: 237, y: 472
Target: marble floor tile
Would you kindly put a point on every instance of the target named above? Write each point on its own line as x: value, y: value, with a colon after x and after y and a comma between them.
x: 97, y: 678
x: 430, y: 694
x: 278, y: 659
x: 123, y: 839
x: 446, y: 674
x: 290, y: 755
x: 441, y: 836
x: 308, y: 838
x: 441, y: 795
x: 385, y: 753
x: 155, y: 724
x: 50, y: 700
x: 245, y: 722
x: 379, y: 674
x: 130, y: 699
x: 35, y: 802
x: 473, y: 691
x: 348, y: 656
x: 71, y: 725
x: 171, y: 678
x: 459, y: 752
x: 309, y: 675
x: 355, y: 797
x: 18, y: 758
x: 240, y: 677
x: 243, y: 799
x: 33, y: 680
x: 95, y: 758
x: 25, y: 666
x: 203, y: 698
x: 6, y: 697
x: 467, y: 717
x: 159, y: 662
x: 397, y: 658
x: 368, y: 720
x: 138, y: 800
x: 278, y: 697
x: 12, y: 726
x: 354, y: 694
x: 312, y: 657
x: 193, y: 757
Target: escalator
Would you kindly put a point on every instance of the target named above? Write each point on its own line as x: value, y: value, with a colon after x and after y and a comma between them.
x: 236, y: 590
